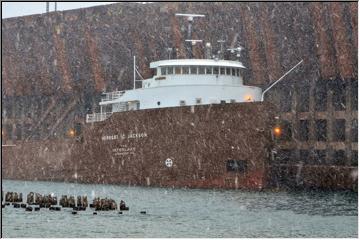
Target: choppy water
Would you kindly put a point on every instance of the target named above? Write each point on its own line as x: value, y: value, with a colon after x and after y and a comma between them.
x: 186, y: 213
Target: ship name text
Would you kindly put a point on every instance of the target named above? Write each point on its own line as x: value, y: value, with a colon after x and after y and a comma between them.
x: 124, y: 136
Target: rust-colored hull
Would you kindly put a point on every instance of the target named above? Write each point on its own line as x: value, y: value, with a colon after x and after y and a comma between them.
x: 132, y: 147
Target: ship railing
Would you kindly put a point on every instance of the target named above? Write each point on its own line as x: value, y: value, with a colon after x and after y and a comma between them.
x: 112, y: 95
x: 97, y: 117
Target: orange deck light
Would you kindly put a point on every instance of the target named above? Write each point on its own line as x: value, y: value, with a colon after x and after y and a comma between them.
x: 248, y: 98
x: 71, y: 133
x: 277, y: 131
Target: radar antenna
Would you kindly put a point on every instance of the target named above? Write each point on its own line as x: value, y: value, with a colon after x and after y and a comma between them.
x: 169, y: 51
x: 193, y: 41
x: 221, y: 52
x: 136, y: 70
x: 190, y: 18
x: 208, y: 50
x: 237, y: 51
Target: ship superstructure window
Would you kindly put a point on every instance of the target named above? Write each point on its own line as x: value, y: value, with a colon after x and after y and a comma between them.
x: 170, y: 70
x: 182, y: 103
x: 201, y: 70
x: 193, y: 70
x: 222, y: 71
x: 232, y: 101
x: 208, y: 70
x: 236, y: 166
x: 339, y: 130
x: 163, y: 71
x: 198, y: 101
x: 185, y: 70
x: 228, y: 71
x: 177, y: 70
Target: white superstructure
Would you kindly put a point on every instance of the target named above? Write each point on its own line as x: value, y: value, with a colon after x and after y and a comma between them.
x: 182, y: 82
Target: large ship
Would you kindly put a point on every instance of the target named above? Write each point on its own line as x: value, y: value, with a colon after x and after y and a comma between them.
x: 193, y: 124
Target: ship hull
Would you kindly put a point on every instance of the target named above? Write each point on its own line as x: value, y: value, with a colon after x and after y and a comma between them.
x: 207, y: 146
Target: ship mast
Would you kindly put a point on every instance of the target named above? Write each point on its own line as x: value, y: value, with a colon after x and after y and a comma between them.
x: 191, y: 42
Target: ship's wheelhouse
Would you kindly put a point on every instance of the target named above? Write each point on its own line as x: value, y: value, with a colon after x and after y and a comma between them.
x: 184, y: 82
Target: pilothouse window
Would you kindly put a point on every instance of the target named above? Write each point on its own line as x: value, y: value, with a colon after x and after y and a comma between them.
x: 201, y: 70
x: 170, y: 70
x: 228, y: 71
x: 233, y: 71
x: 163, y: 71
x: 222, y: 71
x: 185, y: 70
x: 208, y: 70
x: 216, y: 70
x: 193, y: 70
x: 177, y: 70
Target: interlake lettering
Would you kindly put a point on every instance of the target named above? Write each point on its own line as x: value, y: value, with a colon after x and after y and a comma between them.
x: 123, y: 136
x: 124, y: 149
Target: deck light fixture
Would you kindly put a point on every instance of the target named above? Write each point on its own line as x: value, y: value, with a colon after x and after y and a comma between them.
x: 71, y: 133
x: 277, y: 131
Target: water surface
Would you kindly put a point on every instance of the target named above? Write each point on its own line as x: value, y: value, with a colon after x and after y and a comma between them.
x: 186, y: 213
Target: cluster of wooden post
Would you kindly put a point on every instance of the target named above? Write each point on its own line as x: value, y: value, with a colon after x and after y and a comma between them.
x: 49, y: 201
x: 12, y: 197
x: 104, y: 204
x: 41, y: 200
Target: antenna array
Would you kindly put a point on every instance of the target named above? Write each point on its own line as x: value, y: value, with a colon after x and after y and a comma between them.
x: 190, y: 18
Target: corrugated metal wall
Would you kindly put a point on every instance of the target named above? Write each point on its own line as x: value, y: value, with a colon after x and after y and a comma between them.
x: 55, y: 65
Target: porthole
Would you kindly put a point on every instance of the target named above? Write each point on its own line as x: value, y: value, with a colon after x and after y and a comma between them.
x: 158, y: 103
